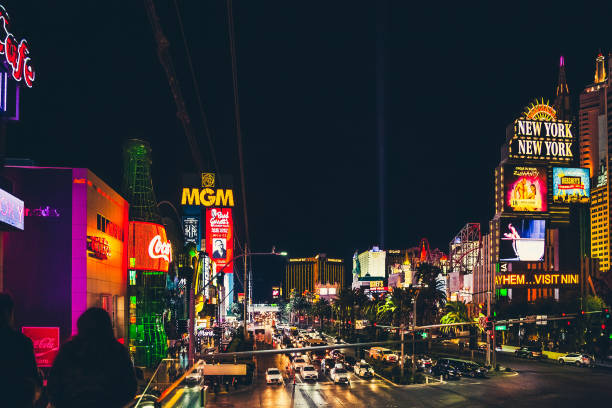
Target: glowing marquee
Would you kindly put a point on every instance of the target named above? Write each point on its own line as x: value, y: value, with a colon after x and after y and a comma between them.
x: 207, y: 197
x: 159, y: 249
x: 540, y: 110
x: 537, y: 279
x: 15, y: 52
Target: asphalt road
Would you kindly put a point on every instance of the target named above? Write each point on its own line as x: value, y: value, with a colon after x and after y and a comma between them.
x: 535, y: 384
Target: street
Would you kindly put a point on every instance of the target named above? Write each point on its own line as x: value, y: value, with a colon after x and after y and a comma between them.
x: 541, y: 384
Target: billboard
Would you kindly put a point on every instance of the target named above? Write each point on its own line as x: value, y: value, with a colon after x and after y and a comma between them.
x: 525, y: 188
x: 220, y: 238
x: 191, y: 229
x: 542, y: 139
x: 522, y: 240
x: 46, y: 341
x: 148, y: 247
x: 571, y: 185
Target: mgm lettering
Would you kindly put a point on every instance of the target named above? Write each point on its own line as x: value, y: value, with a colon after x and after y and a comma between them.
x: 542, y: 140
x: 208, y: 197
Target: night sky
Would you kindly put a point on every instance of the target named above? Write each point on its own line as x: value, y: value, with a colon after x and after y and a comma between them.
x: 455, y: 77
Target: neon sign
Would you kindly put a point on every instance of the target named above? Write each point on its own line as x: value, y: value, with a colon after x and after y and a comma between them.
x: 537, y: 279
x: 11, y: 210
x: 15, y: 52
x: 207, y: 197
x: 539, y: 110
x: 159, y: 249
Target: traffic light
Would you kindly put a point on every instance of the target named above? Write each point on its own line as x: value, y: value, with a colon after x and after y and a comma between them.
x: 607, y: 313
x: 569, y: 323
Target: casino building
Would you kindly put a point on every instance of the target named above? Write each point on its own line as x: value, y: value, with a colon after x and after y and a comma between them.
x: 534, y: 247
x: 72, y: 253
x: 308, y: 274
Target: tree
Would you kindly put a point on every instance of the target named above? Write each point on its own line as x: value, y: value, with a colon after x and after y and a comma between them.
x: 455, y: 312
x: 344, y: 306
x: 321, y: 309
x: 432, y: 295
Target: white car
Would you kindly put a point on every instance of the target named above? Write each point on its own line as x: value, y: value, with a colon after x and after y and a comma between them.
x: 299, y: 362
x: 339, y: 375
x: 308, y: 372
x: 274, y: 376
x: 363, y: 369
x: 577, y: 359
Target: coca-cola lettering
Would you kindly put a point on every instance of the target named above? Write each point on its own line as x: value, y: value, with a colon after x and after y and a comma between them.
x: 159, y: 249
x: 15, y: 52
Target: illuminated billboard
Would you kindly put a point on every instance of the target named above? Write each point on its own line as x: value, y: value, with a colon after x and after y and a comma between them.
x: 148, y: 247
x: 525, y: 188
x: 546, y: 140
x: 522, y: 240
x: 220, y: 238
x: 571, y: 185
x: 535, y: 278
x: 46, y: 342
x: 11, y: 211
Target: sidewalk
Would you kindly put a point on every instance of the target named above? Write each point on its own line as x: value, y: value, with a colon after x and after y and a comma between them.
x: 552, y: 356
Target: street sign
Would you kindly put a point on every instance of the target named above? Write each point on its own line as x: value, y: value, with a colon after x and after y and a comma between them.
x: 501, y: 327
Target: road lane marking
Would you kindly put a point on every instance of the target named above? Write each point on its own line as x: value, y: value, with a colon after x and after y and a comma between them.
x: 175, y: 397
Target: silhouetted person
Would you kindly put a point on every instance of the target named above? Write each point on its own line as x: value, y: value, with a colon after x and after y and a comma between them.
x: 19, y: 380
x: 92, y: 369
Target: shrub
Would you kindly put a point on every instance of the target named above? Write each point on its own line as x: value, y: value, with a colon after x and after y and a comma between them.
x: 419, y: 378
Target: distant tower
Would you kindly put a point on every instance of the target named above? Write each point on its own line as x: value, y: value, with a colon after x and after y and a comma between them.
x: 600, y: 69
x: 562, y: 99
x: 137, y: 181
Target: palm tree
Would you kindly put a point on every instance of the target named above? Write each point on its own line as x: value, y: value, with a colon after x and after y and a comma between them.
x: 432, y: 295
x: 321, y: 309
x: 456, y: 312
x: 344, y: 306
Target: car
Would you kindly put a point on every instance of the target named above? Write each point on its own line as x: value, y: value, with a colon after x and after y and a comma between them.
x: 349, y: 362
x: 470, y: 369
x: 194, y: 378
x: 308, y: 372
x: 327, y: 364
x: 447, y: 372
x: 363, y: 369
x: 381, y: 353
x: 339, y: 375
x: 274, y: 376
x: 578, y: 359
x: 424, y: 362
x: 531, y: 352
x: 299, y: 362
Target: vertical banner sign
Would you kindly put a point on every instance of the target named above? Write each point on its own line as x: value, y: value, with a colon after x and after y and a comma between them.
x: 220, y: 238
x: 191, y: 229
x: 46, y: 343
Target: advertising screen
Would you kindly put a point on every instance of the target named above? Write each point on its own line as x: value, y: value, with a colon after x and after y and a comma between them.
x: 525, y: 188
x: 148, y: 247
x: 571, y: 185
x: 46, y: 341
x: 522, y: 240
x: 220, y: 238
x: 191, y: 229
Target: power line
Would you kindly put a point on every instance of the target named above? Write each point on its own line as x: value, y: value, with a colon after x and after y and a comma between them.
x: 197, y: 91
x: 230, y: 28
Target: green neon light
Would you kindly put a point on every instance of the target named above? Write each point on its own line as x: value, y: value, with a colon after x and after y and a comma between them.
x: 503, y: 292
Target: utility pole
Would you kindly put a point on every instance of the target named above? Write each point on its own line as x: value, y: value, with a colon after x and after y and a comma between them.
x: 489, y: 337
x: 246, y: 332
x: 402, y: 354
x: 414, y: 323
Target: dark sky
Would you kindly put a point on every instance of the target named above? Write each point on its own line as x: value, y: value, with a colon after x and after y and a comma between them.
x: 455, y: 77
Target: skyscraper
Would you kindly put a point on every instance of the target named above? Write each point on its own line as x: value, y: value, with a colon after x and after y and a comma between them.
x: 595, y: 127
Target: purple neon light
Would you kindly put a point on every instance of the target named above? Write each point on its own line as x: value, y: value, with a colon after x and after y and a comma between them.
x: 561, y: 61
x: 79, y: 247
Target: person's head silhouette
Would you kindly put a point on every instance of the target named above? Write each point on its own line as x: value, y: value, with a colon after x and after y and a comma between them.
x: 95, y: 323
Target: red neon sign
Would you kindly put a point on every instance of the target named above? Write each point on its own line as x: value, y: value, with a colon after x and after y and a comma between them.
x: 99, y: 246
x: 46, y: 343
x: 15, y: 52
x: 220, y: 238
x: 148, y: 247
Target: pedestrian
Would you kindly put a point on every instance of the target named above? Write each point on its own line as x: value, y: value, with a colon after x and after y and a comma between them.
x: 92, y: 369
x: 19, y: 381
